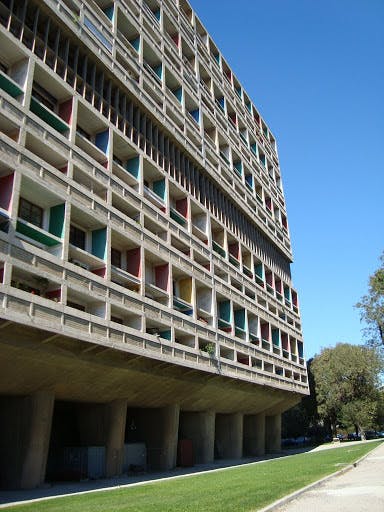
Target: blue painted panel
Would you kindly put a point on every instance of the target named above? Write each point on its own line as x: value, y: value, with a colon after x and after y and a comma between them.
x: 178, y: 93
x: 109, y: 11
x: 102, y: 141
x: 135, y: 43
x: 195, y: 114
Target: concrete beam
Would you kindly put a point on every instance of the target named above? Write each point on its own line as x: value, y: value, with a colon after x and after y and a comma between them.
x: 254, y: 434
x: 273, y: 433
x: 229, y: 435
x: 199, y: 427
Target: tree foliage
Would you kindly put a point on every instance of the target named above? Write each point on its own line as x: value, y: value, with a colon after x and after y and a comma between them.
x: 347, y: 384
x: 303, y: 418
x: 372, y: 307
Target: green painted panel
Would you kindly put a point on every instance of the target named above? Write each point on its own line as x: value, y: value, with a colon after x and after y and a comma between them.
x: 158, y: 70
x: 36, y: 235
x: 159, y: 188
x: 238, y: 166
x: 49, y: 117
x: 225, y: 310
x: 133, y: 166
x: 99, y: 243
x: 56, y: 220
x: 166, y: 335
x: 276, y: 337
x: 259, y: 270
x: 9, y: 86
x: 240, y: 318
x: 175, y: 215
x: 218, y: 249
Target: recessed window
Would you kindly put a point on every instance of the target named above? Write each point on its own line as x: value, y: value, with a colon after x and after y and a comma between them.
x: 115, y: 257
x: 77, y: 237
x: 31, y: 212
x: 43, y: 96
x: 75, y: 305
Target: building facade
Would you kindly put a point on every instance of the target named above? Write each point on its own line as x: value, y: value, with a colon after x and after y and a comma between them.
x: 146, y: 294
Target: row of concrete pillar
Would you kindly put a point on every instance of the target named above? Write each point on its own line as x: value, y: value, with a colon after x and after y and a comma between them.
x: 212, y: 435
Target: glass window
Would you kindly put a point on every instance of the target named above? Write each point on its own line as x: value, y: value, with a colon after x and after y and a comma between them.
x: 115, y: 257
x: 77, y: 237
x: 31, y: 212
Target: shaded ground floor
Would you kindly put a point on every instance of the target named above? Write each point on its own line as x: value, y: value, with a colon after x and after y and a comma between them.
x: 71, y: 410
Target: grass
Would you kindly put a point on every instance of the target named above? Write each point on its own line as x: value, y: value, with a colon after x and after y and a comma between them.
x: 245, y: 488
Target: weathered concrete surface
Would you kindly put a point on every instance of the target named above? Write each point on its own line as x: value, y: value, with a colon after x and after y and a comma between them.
x: 84, y: 372
x: 358, y: 490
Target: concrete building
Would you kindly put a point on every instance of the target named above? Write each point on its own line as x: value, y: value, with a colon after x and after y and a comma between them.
x: 146, y: 295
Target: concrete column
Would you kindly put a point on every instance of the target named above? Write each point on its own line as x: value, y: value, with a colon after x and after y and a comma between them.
x: 170, y: 423
x: 115, y: 418
x: 200, y: 428
x: 254, y: 434
x: 273, y: 433
x: 229, y: 435
x: 38, y: 426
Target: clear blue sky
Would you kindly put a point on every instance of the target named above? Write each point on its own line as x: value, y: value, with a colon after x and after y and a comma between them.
x: 315, y: 70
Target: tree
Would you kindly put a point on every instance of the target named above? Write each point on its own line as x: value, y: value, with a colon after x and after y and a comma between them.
x: 347, y: 385
x: 303, y: 419
x: 372, y: 307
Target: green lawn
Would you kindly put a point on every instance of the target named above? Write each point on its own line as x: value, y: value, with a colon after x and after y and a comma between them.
x: 244, y: 488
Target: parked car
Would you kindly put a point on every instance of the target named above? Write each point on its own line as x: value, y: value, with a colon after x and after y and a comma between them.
x: 354, y: 437
x: 371, y: 434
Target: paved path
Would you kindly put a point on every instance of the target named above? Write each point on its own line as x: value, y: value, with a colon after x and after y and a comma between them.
x: 357, y: 490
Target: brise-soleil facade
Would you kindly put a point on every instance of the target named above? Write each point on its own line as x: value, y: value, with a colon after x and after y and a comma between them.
x: 147, y: 313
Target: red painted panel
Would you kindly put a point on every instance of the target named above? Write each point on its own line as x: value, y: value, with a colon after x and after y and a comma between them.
x: 6, y: 187
x: 176, y: 39
x: 134, y: 262
x: 64, y: 169
x: 234, y: 250
x: 162, y: 276
x: 65, y: 111
x: 54, y: 295
x: 99, y: 271
x: 265, y: 331
x: 284, y: 341
x: 182, y: 206
x: 185, y: 453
